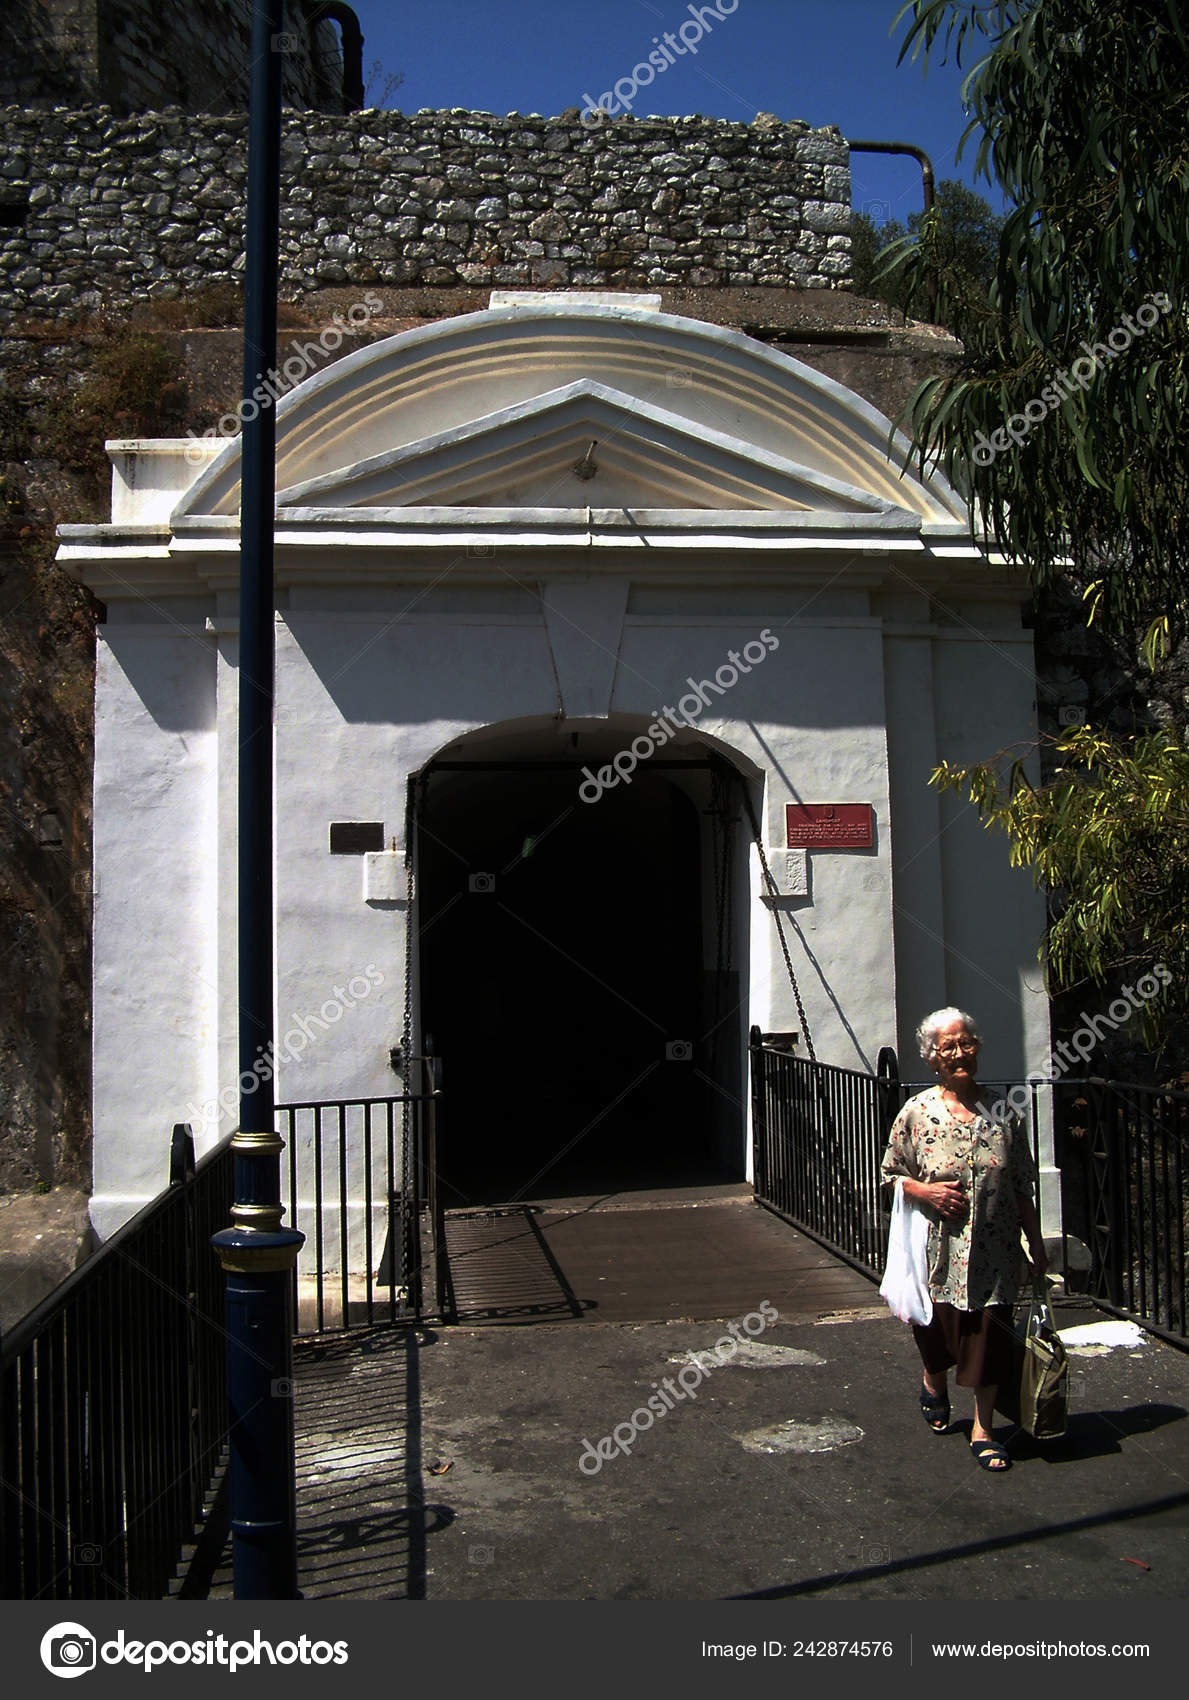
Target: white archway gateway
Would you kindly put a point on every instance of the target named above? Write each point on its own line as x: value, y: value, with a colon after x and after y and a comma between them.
x: 595, y: 1038
x: 614, y: 539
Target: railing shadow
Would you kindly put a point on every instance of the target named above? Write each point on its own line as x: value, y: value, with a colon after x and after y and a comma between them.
x: 970, y: 1549
x: 502, y: 1269
x: 363, y: 1514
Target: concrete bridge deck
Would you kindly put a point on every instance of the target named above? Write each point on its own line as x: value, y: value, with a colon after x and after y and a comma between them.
x: 651, y: 1257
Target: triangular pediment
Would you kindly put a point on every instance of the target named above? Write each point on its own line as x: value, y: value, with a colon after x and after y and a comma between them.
x: 583, y: 443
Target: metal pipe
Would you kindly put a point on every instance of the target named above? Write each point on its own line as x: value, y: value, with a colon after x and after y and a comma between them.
x: 257, y: 1254
x: 926, y: 165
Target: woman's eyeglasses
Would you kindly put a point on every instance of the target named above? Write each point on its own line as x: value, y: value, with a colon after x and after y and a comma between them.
x: 958, y: 1047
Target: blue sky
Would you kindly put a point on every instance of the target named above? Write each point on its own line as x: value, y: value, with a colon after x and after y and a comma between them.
x: 828, y: 61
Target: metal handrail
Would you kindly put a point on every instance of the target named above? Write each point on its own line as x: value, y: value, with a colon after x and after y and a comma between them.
x: 115, y: 1403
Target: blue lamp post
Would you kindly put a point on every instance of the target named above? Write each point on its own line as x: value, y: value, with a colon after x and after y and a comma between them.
x: 256, y: 1252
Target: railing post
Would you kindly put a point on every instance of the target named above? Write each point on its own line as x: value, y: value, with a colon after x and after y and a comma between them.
x: 433, y: 1198
x: 759, y: 1119
x: 181, y: 1154
x: 1116, y: 1192
x: 887, y: 1073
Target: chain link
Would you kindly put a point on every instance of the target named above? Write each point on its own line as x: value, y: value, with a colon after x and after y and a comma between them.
x: 408, y: 1228
x: 721, y: 811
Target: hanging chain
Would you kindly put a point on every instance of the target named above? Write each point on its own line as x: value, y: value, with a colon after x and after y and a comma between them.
x: 406, y: 1038
x: 721, y: 806
x: 721, y: 811
x: 774, y: 893
x: 407, y: 1228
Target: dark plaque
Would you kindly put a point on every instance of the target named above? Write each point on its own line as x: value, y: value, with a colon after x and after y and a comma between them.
x: 830, y: 826
x: 353, y: 837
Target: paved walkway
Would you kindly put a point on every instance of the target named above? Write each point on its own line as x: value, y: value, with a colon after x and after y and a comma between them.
x: 447, y: 1465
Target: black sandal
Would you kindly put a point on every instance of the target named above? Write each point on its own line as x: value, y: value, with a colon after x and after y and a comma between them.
x: 935, y: 1408
x: 989, y: 1455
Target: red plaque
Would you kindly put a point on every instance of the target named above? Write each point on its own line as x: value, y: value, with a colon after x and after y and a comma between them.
x: 830, y: 826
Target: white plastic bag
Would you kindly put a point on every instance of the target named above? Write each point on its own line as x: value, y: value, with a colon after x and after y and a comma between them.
x: 905, y: 1286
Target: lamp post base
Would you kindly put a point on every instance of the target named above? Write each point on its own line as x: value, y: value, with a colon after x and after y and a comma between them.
x: 259, y: 1314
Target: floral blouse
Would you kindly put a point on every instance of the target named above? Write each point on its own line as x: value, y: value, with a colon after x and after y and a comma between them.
x: 977, y: 1262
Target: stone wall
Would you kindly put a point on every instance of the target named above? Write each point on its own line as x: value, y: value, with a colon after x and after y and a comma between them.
x: 95, y: 208
x: 137, y: 54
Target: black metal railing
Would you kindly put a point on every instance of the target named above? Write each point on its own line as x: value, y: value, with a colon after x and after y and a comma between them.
x: 1123, y: 1151
x: 820, y: 1133
x: 115, y: 1402
x: 359, y: 1183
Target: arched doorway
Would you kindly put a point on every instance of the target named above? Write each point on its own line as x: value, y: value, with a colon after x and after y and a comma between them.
x: 576, y: 972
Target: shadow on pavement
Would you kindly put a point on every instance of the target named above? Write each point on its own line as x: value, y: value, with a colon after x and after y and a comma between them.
x: 947, y: 1555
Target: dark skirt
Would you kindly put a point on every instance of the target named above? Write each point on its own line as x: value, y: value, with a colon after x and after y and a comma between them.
x: 979, y: 1342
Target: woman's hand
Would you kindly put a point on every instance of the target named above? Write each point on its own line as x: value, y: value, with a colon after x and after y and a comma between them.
x: 1038, y: 1258
x: 945, y: 1197
x: 948, y: 1200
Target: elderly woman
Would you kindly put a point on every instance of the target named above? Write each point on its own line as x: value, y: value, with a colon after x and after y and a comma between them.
x: 974, y: 1178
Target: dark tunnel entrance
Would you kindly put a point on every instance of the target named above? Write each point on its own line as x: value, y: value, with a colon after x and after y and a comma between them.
x: 587, y: 1047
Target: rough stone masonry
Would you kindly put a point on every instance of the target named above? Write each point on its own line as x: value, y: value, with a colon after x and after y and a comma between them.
x: 98, y: 209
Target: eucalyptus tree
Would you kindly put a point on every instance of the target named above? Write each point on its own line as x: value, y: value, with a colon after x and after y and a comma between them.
x: 1064, y: 423
x: 965, y: 239
x: 1065, y: 419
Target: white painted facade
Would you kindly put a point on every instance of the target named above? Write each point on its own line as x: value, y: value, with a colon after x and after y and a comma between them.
x: 461, y: 576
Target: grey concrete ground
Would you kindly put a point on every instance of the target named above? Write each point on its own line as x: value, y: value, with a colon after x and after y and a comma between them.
x: 446, y: 1467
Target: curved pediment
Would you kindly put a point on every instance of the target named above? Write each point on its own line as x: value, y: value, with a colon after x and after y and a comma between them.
x: 499, y: 409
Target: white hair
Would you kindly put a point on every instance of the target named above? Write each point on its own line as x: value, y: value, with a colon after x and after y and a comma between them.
x: 932, y: 1025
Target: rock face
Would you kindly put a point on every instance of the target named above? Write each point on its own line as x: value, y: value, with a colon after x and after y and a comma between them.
x: 97, y: 209
x: 47, y: 662
x: 43, y: 1239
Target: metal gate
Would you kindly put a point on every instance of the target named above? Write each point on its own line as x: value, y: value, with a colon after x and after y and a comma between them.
x: 820, y: 1133
x: 359, y: 1183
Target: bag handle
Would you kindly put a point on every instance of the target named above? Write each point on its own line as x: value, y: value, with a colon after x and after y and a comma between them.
x: 1040, y: 1315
